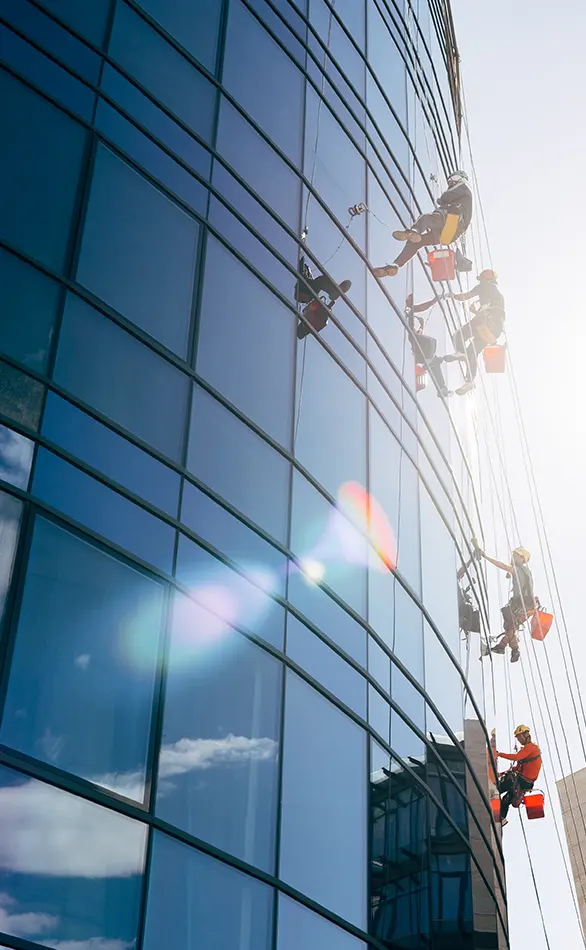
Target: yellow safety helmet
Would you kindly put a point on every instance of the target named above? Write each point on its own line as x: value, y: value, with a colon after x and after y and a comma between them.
x: 521, y: 729
x: 522, y: 552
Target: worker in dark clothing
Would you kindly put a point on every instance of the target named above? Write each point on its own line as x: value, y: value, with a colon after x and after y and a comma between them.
x: 469, y: 616
x: 522, y: 776
x: 456, y: 200
x: 522, y: 600
x: 423, y: 345
x: 482, y: 330
x: 308, y: 290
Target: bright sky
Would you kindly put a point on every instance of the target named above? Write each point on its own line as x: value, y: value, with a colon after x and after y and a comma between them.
x: 524, y: 73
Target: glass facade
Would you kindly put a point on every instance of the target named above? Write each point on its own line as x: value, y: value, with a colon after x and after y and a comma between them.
x: 227, y: 720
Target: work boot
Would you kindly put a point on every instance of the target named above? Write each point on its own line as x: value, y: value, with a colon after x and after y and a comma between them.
x: 466, y: 388
x: 453, y: 357
x: 499, y: 648
x: 515, y: 656
x: 407, y: 235
x: 389, y: 270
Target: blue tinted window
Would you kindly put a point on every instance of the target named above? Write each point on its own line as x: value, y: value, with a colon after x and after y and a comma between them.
x: 21, y: 396
x: 105, y: 511
x: 279, y: 109
x: 157, y: 66
x: 10, y: 511
x: 44, y: 31
x: 138, y: 252
x: 28, y: 301
x: 238, y: 310
x: 443, y: 682
x: 195, y: 26
x: 312, y: 816
x: 232, y: 597
x: 409, y: 562
x: 196, y: 901
x: 16, y: 455
x: 403, y: 740
x: 301, y: 927
x: 379, y: 664
x: 230, y: 536
x: 326, y: 614
x: 438, y: 563
x: 46, y: 74
x: 80, y: 693
x: 259, y: 485
x: 89, y: 19
x: 218, y: 765
x: 379, y: 713
x: 108, y: 452
x: 408, y: 642
x: 39, y: 171
x: 381, y: 599
x: 120, y: 377
x: 386, y: 61
x: 324, y: 665
x: 71, y: 871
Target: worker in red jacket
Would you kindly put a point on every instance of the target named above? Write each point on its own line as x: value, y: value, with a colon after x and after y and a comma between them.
x: 522, y: 776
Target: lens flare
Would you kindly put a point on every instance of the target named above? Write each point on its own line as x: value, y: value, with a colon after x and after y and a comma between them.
x: 363, y: 511
x: 312, y: 569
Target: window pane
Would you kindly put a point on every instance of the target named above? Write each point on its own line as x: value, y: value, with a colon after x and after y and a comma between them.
x: 16, y: 456
x: 104, y: 511
x: 39, y: 171
x: 196, y: 901
x: 89, y: 19
x: 80, y: 693
x: 329, y: 669
x: 150, y: 59
x: 259, y: 485
x: 379, y: 713
x: 105, y: 450
x: 21, y: 396
x: 41, y: 29
x: 279, y: 109
x: 121, y: 377
x: 28, y: 302
x: 301, y: 927
x: 70, y: 871
x: 218, y: 767
x: 10, y: 512
x: 237, y: 311
x: 313, y: 815
x: 138, y: 252
x: 408, y: 645
x: 195, y: 25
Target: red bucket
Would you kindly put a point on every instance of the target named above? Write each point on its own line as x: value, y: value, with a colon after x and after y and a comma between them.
x: 495, y: 804
x: 534, y: 805
x: 420, y: 377
x: 541, y: 622
x: 495, y: 358
x: 442, y: 264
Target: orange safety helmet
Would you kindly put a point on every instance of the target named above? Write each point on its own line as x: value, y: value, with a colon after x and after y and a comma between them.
x: 487, y: 275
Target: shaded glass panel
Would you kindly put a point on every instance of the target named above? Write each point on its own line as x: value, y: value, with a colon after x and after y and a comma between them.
x: 81, y: 684
x: 28, y: 303
x: 89, y: 19
x: 41, y: 29
x: 70, y: 871
x: 67, y: 488
x: 196, y: 901
x: 39, y: 171
x: 408, y: 641
x: 379, y: 713
x: 120, y: 377
x: 10, y: 512
x: 325, y: 613
x: 218, y: 765
x: 317, y: 763
x: 138, y: 252
x: 194, y: 25
x: 21, y: 396
x: 301, y: 927
x: 16, y: 456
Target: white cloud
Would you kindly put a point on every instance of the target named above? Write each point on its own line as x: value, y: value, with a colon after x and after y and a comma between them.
x: 94, y: 943
x: 49, y: 832
x: 82, y: 661
x: 189, y: 755
x: 23, y: 925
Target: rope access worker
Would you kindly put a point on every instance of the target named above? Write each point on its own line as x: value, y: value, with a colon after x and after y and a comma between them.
x: 308, y: 290
x: 423, y: 345
x: 522, y: 600
x: 482, y: 330
x: 443, y: 226
x: 524, y: 773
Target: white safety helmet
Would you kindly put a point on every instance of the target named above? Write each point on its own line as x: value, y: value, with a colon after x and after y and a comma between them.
x: 457, y: 176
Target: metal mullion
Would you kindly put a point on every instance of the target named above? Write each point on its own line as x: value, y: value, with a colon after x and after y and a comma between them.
x: 14, y: 596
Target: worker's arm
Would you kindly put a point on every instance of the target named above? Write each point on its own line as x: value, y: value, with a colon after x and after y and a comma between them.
x: 421, y: 307
x: 501, y: 564
x: 512, y: 756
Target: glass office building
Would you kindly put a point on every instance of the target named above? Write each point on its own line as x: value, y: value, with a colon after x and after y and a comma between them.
x: 226, y: 723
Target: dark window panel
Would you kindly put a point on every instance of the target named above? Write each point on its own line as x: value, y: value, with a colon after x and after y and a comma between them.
x: 238, y: 464
x: 277, y: 26
x: 29, y: 302
x: 21, y: 396
x: 246, y: 343
x: 279, y: 110
x: 105, y: 450
x: 71, y: 870
x: 232, y: 537
x: 301, y: 927
x: 218, y: 766
x: 16, y: 455
x: 80, y: 692
x: 104, y: 511
x: 10, y: 514
x: 197, y: 901
x: 325, y: 666
x: 43, y: 30
x: 195, y: 26
x: 157, y: 66
x: 317, y: 762
x: 89, y: 19
x: 138, y: 252
x: 119, y: 376
x: 231, y: 597
x: 39, y: 172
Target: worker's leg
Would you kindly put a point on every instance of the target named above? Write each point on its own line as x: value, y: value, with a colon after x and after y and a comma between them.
x: 410, y: 250
x: 506, y: 786
x: 430, y: 222
x: 459, y: 339
x: 435, y: 368
x: 474, y: 347
x: 510, y: 631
